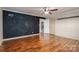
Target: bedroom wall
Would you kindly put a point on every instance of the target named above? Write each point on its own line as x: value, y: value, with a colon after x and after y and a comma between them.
x: 52, y: 25
x: 18, y: 24
x: 1, y: 38
x: 68, y: 28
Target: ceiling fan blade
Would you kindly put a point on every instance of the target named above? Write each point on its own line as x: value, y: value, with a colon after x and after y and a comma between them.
x: 53, y: 10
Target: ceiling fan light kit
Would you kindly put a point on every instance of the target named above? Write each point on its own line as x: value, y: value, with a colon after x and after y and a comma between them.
x: 46, y: 12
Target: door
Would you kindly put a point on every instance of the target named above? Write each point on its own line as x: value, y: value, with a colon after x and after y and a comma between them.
x: 42, y: 27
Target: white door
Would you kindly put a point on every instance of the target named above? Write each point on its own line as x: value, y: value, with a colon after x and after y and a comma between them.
x: 44, y: 26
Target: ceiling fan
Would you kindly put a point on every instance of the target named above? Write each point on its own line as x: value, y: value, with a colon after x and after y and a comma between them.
x: 49, y: 10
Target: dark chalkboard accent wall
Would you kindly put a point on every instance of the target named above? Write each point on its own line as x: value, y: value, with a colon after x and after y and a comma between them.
x: 17, y: 24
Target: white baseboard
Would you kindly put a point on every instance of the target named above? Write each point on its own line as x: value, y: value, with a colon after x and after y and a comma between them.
x: 20, y: 37
x: 67, y: 37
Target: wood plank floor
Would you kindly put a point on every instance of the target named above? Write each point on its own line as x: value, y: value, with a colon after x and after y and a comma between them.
x: 41, y: 43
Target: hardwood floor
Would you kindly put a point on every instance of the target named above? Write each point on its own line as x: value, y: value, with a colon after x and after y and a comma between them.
x: 41, y: 43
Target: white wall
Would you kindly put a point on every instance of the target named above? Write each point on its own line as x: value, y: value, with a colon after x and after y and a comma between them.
x: 52, y: 25
x: 1, y: 38
x: 67, y: 28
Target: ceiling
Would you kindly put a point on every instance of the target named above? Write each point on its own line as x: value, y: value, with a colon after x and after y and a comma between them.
x: 39, y: 11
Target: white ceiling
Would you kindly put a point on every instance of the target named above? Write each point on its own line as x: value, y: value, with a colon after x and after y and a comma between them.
x: 39, y: 11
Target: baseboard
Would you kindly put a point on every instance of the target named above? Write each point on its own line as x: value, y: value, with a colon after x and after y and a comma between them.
x: 67, y: 37
x: 64, y: 37
x: 20, y: 37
